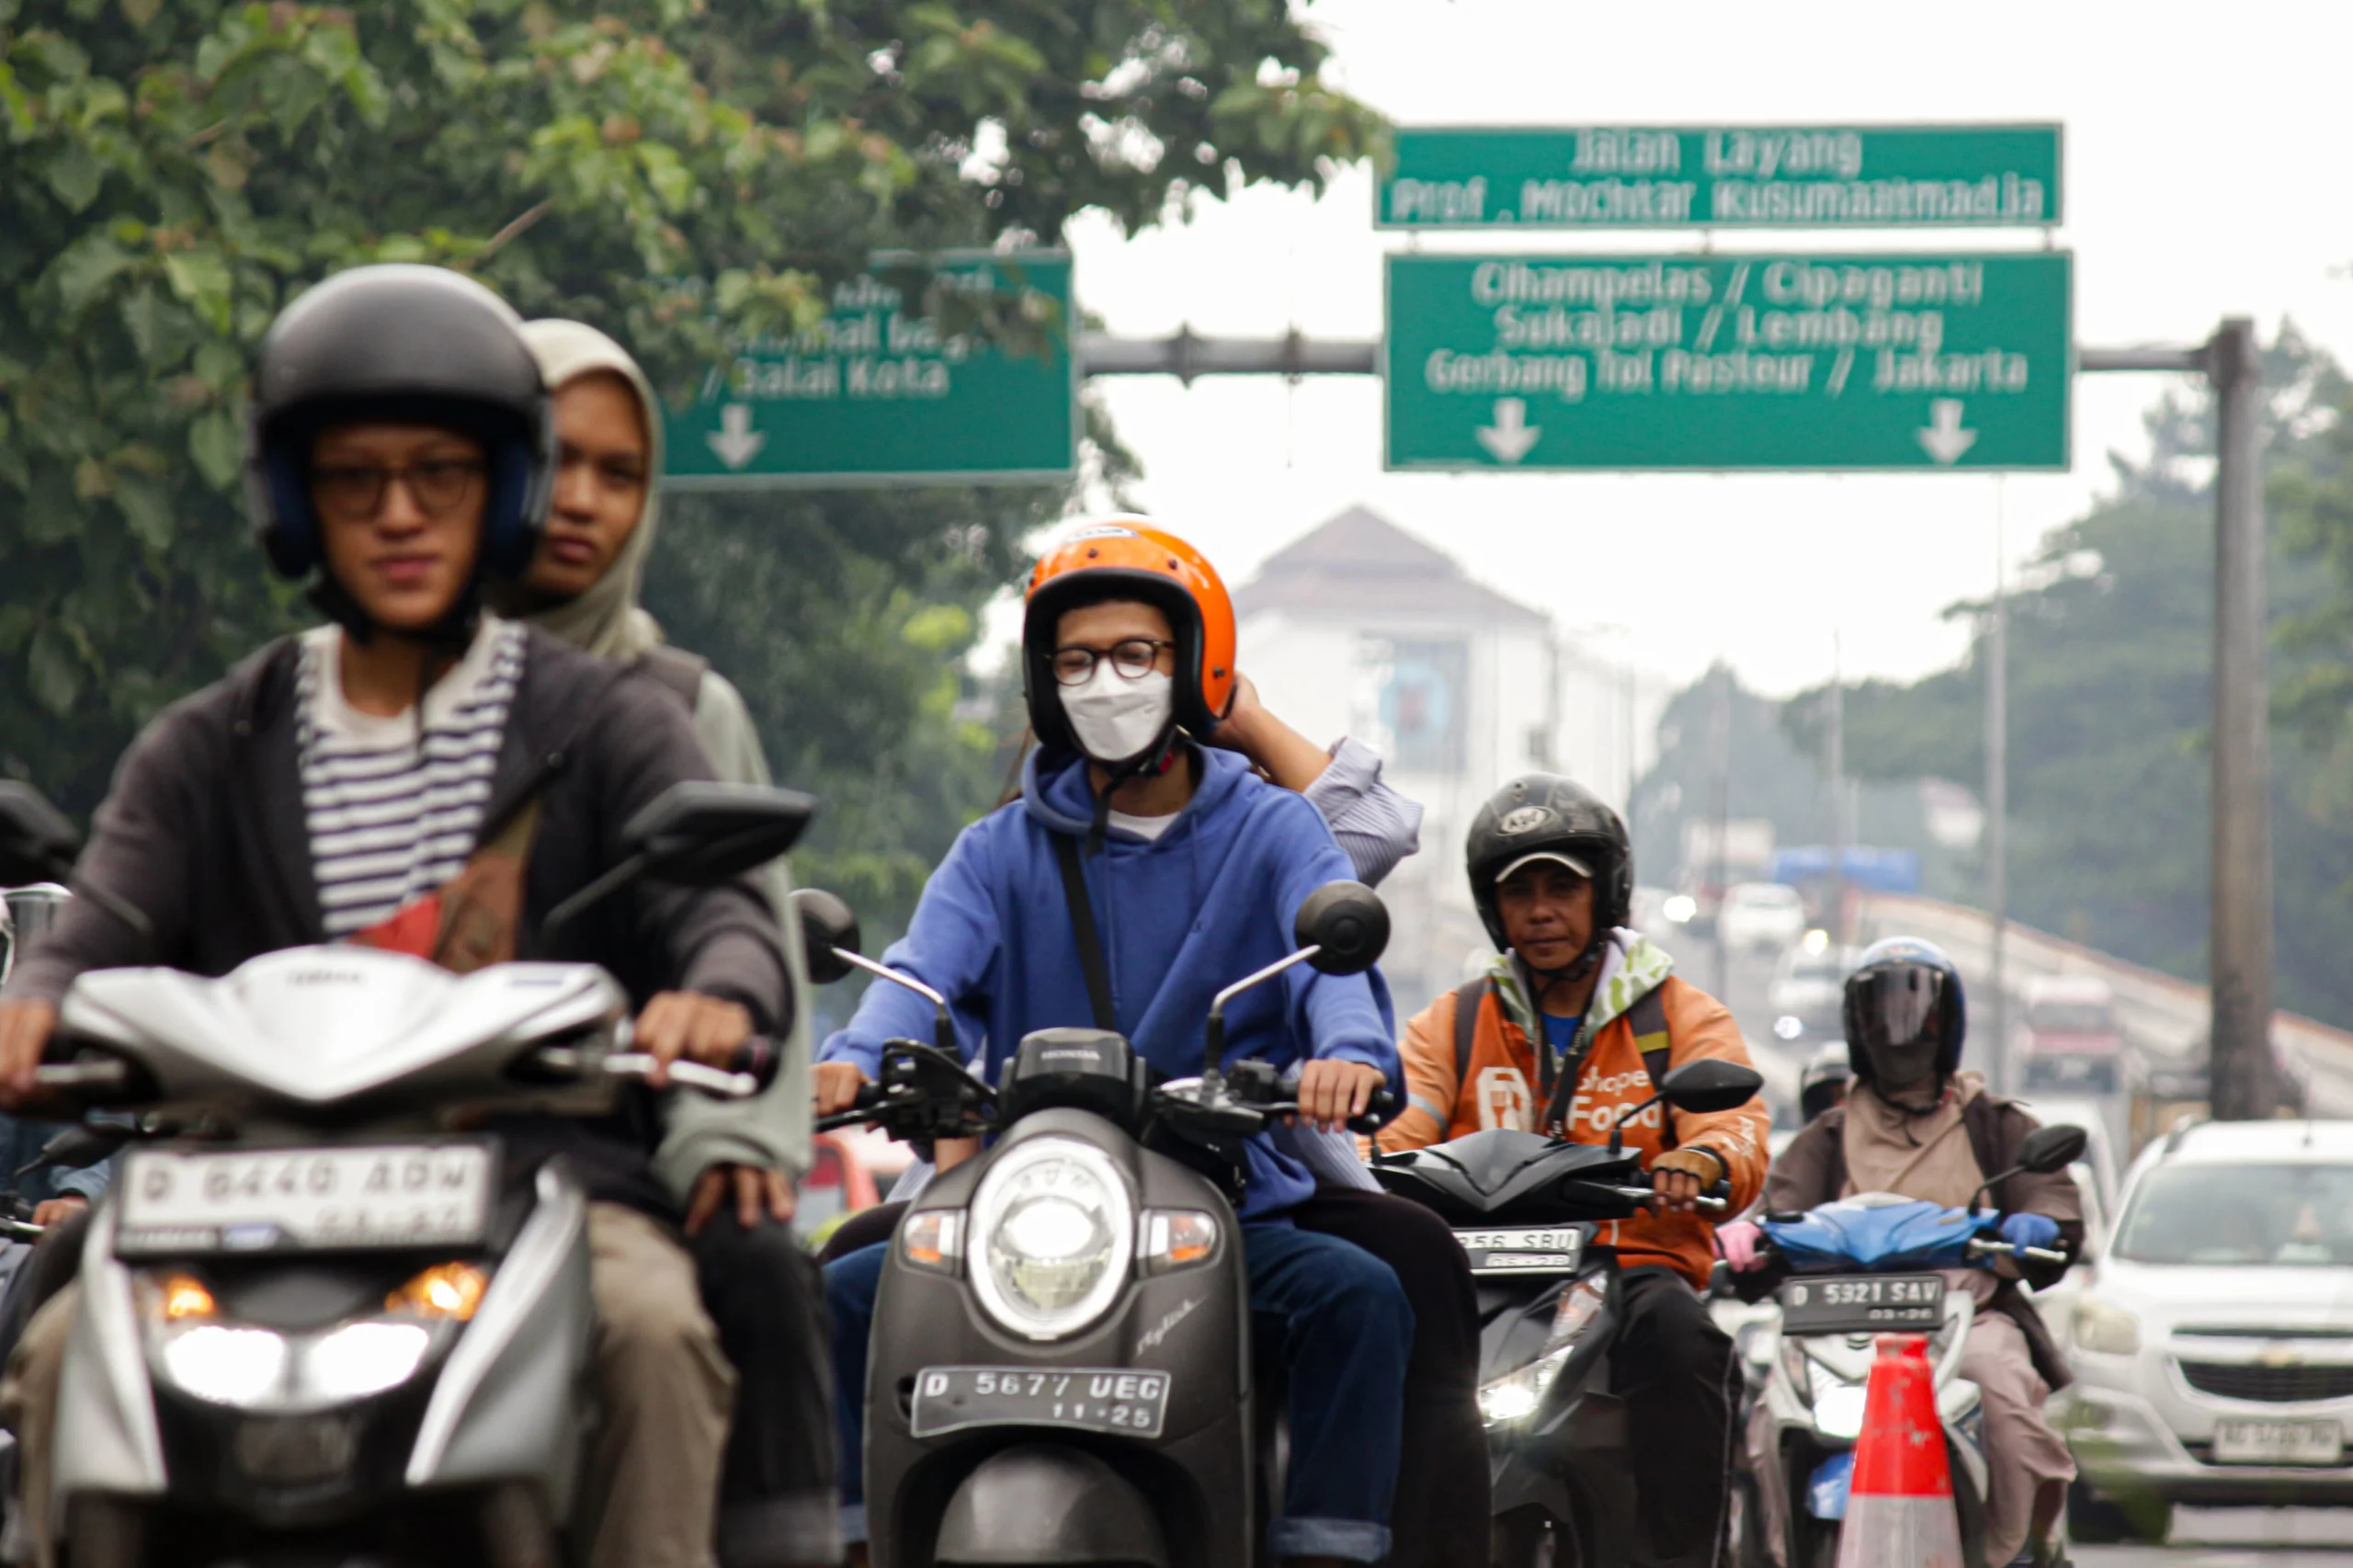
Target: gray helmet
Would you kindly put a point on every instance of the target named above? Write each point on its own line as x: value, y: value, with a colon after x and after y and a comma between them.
x: 1824, y: 1082
x: 1546, y: 814
x: 401, y: 343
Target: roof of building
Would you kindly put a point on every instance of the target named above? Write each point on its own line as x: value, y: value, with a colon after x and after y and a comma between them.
x: 1360, y: 565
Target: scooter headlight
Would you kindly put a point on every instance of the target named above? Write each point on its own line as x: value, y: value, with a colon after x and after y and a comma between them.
x: 1513, y: 1398
x: 1057, y: 1235
x: 1838, y: 1403
x: 193, y: 1348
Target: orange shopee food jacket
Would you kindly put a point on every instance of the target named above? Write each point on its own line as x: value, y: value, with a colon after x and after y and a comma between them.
x: 1638, y: 1000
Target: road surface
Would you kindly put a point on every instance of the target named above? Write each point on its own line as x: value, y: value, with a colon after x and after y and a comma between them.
x: 2216, y: 1538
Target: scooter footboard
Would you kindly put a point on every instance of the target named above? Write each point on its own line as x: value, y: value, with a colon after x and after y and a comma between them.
x: 1049, y: 1503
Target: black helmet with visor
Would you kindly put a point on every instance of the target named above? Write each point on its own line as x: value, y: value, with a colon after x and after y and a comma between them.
x: 1905, y: 1016
x: 1543, y: 816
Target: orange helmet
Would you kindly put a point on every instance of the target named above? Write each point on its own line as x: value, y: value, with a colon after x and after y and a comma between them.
x: 1126, y: 557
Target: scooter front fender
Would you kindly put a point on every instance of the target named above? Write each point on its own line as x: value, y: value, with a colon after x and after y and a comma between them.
x: 1046, y: 1503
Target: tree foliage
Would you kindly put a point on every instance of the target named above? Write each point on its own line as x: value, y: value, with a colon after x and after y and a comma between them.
x: 172, y: 172
x: 2110, y: 693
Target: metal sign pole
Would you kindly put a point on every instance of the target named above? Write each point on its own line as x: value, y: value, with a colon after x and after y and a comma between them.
x: 1997, y: 801
x: 2243, y: 1085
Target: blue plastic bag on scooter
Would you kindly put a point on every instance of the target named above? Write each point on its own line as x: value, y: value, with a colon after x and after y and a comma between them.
x: 1879, y: 1233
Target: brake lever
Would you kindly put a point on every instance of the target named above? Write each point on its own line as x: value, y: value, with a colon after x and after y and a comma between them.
x: 685, y: 1074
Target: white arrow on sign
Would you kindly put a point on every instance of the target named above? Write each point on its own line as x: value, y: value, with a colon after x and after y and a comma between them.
x: 1943, y: 436
x: 1508, y: 438
x: 736, y: 443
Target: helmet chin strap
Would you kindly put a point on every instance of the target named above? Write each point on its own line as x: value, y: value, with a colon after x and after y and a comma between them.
x: 1150, y: 763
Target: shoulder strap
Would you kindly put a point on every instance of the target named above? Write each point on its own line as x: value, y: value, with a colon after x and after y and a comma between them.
x: 1981, y: 1120
x: 1082, y: 926
x: 1832, y: 1123
x: 1468, y: 997
x: 678, y: 670
x: 1648, y: 1018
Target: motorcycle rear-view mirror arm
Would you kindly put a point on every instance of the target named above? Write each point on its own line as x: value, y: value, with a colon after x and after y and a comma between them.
x: 1213, y: 1054
x: 943, y: 1027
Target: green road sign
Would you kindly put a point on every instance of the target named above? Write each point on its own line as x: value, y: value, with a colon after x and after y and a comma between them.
x: 876, y: 394
x: 1702, y: 361
x: 1728, y: 177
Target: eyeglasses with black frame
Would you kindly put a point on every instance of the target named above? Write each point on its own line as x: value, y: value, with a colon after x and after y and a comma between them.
x: 355, y: 493
x: 1132, y: 658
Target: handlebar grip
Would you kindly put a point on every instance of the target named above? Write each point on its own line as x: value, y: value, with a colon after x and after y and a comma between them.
x: 1380, y: 1111
x: 757, y: 1059
x: 2042, y: 1255
x: 1711, y: 1205
x: 861, y: 1109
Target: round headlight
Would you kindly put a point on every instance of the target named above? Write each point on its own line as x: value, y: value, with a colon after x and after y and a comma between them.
x: 1057, y: 1235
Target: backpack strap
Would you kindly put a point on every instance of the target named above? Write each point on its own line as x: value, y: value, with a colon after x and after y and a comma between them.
x: 1981, y: 1120
x: 1648, y: 1018
x: 679, y: 671
x: 1082, y: 928
x: 1468, y: 997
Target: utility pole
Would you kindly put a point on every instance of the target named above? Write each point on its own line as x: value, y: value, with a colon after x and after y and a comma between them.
x: 1722, y: 877
x: 2243, y: 1085
x: 1998, y: 799
x: 1838, y: 791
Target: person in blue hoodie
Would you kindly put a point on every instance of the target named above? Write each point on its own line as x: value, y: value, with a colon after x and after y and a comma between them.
x: 1194, y: 868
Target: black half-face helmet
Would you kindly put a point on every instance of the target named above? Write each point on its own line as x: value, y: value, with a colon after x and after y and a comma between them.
x: 400, y: 343
x: 1548, y: 816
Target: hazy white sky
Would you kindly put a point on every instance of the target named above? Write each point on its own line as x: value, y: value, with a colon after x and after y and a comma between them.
x: 2203, y: 178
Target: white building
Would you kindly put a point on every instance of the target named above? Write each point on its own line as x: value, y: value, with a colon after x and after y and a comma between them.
x: 1361, y: 628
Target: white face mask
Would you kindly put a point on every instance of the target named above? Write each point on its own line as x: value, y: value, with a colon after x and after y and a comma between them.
x: 1117, y: 719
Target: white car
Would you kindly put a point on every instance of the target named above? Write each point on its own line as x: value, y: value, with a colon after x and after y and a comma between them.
x: 2213, y: 1340
x: 1808, y: 994
x: 1768, y: 916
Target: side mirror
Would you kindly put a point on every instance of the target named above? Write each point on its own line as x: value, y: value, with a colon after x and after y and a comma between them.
x: 1711, y: 1084
x: 38, y: 842
x: 828, y: 929
x: 702, y: 834
x: 2047, y: 1151
x: 1349, y: 924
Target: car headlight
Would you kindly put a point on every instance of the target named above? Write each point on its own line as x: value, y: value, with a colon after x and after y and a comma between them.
x: 1513, y: 1398
x: 1680, y: 909
x: 2110, y: 1330
x: 1057, y: 1234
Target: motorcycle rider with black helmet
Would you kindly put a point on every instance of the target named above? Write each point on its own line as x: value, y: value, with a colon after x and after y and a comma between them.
x: 1569, y: 1030
x: 419, y: 776
x: 1918, y: 1125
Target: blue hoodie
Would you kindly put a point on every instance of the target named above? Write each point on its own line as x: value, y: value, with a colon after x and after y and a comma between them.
x: 1182, y: 917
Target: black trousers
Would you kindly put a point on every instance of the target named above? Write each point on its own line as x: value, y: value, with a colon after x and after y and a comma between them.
x: 1439, y: 1517
x: 776, y: 1496
x: 1676, y: 1370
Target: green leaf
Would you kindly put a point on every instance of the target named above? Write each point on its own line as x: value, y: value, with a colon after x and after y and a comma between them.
x: 162, y: 331
x: 146, y: 505
x: 201, y: 278
x: 16, y: 624
x: 84, y: 269
x: 213, y: 442
x: 139, y: 13
x: 49, y: 670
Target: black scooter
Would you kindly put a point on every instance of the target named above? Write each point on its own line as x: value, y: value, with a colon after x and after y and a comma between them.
x: 1061, y: 1369
x: 1525, y: 1209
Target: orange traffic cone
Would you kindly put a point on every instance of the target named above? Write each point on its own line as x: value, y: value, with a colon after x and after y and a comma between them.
x: 1899, y: 1505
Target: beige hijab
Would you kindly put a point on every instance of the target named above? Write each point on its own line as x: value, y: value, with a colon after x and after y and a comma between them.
x: 1928, y: 1157
x: 607, y: 619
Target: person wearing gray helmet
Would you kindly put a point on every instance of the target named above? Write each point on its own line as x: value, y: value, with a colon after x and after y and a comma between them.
x: 420, y: 776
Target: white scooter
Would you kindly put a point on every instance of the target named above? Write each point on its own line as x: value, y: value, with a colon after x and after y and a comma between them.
x: 1863, y: 1266
x: 322, y: 1320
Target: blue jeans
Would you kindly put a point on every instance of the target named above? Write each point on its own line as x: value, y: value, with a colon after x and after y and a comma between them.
x: 1339, y: 1318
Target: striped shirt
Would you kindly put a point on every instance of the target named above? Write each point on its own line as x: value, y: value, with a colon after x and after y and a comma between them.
x: 390, y: 818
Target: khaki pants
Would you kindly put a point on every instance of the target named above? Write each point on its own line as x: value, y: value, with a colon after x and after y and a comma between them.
x: 664, y: 1389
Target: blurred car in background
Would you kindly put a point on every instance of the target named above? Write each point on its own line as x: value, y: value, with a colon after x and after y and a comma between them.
x: 1761, y: 916
x: 850, y: 1170
x: 1808, y: 991
x: 2212, y: 1342
x: 2067, y: 1036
